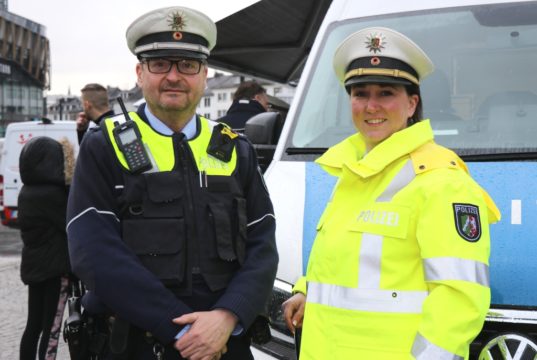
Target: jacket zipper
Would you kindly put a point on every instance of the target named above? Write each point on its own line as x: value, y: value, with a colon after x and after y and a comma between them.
x: 184, y: 150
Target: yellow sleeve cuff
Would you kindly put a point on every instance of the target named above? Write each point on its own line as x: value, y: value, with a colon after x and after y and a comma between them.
x: 300, y: 286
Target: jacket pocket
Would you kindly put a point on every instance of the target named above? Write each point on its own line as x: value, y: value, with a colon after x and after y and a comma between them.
x: 222, y: 231
x: 324, y: 216
x: 164, y: 195
x: 160, y: 246
x: 242, y: 233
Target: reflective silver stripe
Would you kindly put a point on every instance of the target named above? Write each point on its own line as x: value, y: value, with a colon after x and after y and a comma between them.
x: 261, y: 219
x: 386, y: 301
x: 371, y: 247
x: 399, y: 181
x: 423, y: 349
x: 369, y: 266
x: 450, y: 268
x: 91, y: 209
x: 172, y: 45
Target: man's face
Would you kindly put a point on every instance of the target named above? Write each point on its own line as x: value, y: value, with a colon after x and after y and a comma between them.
x: 172, y: 91
x: 86, y: 106
x: 263, y: 99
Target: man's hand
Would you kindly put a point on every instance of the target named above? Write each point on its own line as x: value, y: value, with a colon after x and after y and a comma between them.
x: 293, y: 311
x: 208, y: 335
x: 82, y: 121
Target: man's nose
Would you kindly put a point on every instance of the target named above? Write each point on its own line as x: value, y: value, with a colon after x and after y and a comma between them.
x: 174, y: 73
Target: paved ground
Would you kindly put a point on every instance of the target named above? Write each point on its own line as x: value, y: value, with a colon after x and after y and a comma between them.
x: 13, y: 298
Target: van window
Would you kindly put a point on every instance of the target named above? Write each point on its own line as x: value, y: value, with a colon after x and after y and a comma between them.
x: 481, y: 98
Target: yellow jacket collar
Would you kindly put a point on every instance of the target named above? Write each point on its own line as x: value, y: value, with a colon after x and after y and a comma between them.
x: 351, y: 151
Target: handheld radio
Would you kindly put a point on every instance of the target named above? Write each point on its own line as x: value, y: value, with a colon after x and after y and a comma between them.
x: 129, y: 141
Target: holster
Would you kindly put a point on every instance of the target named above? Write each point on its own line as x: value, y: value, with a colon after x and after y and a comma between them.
x: 72, y: 330
x: 119, y: 335
x: 85, y: 334
x: 259, y: 331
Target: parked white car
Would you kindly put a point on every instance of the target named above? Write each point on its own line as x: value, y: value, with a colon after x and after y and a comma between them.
x: 18, y: 134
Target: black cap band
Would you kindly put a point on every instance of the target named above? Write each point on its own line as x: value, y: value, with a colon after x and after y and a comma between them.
x: 172, y: 43
x: 172, y: 36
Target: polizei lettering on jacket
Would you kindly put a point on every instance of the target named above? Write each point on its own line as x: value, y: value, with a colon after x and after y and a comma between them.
x: 209, y: 162
x: 389, y: 218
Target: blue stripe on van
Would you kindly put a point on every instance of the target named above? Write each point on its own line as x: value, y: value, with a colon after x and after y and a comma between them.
x: 513, y: 267
x: 319, y: 186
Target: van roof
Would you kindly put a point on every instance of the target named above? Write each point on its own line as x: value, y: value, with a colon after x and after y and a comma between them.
x: 37, y: 124
x: 275, y: 46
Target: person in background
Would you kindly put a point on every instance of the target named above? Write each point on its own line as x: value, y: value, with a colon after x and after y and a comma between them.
x: 399, y: 266
x: 170, y: 225
x: 96, y: 107
x: 249, y: 99
x: 46, y: 168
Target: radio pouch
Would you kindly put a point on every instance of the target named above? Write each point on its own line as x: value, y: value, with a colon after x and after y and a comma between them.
x: 222, y: 143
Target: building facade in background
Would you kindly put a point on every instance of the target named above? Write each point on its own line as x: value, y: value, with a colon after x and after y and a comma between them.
x: 24, y: 68
x: 213, y: 105
x: 220, y: 89
x: 61, y: 107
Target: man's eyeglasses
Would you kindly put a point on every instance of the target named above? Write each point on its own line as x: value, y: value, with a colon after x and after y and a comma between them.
x: 184, y: 66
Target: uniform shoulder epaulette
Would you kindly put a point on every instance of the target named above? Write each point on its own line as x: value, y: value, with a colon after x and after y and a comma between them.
x: 432, y: 156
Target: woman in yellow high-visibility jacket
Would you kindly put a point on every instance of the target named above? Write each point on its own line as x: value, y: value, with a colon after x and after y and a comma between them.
x: 399, y: 267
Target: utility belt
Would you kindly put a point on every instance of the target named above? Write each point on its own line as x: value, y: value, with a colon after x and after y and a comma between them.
x: 114, y: 338
x: 99, y: 336
x: 96, y: 337
x: 123, y: 336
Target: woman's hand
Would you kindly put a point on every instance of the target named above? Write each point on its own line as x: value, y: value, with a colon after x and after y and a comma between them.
x: 293, y: 311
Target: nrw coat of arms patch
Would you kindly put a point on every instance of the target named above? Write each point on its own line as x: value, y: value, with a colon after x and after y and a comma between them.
x: 467, y: 221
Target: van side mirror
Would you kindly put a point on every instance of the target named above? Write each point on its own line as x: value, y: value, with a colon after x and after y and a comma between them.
x: 264, y: 128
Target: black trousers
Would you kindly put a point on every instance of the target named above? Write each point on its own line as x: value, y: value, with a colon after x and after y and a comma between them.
x: 42, y: 305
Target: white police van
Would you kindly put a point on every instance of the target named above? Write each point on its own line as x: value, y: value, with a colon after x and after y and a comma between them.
x: 17, y: 135
x: 482, y: 102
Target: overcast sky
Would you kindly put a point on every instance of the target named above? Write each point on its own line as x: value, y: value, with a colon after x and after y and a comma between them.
x: 87, y: 37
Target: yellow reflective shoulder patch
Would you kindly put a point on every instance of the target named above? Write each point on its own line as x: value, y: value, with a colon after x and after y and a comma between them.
x: 432, y: 156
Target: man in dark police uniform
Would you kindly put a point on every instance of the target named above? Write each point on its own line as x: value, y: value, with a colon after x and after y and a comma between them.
x: 170, y: 225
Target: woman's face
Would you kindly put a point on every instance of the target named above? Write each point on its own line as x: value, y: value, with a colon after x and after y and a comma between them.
x: 379, y: 110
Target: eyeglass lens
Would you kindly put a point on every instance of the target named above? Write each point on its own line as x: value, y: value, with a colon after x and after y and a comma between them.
x: 184, y: 66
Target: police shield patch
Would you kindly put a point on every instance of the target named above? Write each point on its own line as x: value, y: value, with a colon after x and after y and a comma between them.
x: 467, y: 221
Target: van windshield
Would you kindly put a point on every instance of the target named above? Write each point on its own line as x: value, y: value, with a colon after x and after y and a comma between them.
x: 481, y: 98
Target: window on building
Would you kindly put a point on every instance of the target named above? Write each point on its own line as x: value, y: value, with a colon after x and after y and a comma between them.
x: 17, y: 91
x: 207, y: 115
x: 207, y: 101
x: 276, y: 90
